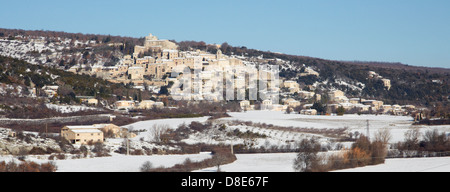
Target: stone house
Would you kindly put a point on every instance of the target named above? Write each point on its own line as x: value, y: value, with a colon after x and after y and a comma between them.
x: 82, y: 134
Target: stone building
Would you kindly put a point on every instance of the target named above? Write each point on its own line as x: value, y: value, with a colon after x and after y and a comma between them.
x: 82, y: 134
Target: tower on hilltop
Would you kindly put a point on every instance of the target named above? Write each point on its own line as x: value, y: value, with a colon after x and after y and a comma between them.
x: 150, y: 37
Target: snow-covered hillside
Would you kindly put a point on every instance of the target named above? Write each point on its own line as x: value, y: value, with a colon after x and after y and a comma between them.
x: 33, y: 51
x: 55, y: 51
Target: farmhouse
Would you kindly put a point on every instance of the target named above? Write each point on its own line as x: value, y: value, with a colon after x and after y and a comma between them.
x: 90, y: 100
x: 146, y: 104
x: 124, y: 104
x: 245, y: 105
x: 82, y: 134
x: 386, y: 83
x: 266, y: 105
x: 50, y: 90
x: 308, y: 112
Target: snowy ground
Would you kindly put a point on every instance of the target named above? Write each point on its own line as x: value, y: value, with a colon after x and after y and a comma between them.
x: 70, y: 108
x: 272, y: 162
x: 397, y: 125
x: 115, y: 163
x: 435, y: 164
x: 282, y: 162
x: 172, y: 123
x: 265, y: 162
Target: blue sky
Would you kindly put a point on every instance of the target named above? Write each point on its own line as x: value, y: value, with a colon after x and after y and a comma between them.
x: 414, y: 32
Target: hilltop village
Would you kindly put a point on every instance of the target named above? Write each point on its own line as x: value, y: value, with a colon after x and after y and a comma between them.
x: 152, y: 66
x: 158, y: 66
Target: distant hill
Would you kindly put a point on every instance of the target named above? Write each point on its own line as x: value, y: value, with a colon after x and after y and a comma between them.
x: 422, y: 86
x: 401, y: 66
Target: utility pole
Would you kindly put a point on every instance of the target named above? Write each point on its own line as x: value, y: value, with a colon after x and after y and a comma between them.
x: 368, y: 133
x: 232, y: 147
x: 128, y: 145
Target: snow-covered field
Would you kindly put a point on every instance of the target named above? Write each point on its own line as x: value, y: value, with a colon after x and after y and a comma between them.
x: 123, y: 163
x: 282, y: 162
x: 116, y: 162
x: 270, y: 162
x: 397, y: 125
x: 267, y: 162
x: 264, y: 162
x: 435, y: 164
x: 171, y: 123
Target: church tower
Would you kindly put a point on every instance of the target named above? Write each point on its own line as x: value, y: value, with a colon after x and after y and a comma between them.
x: 219, y: 54
x: 150, y: 37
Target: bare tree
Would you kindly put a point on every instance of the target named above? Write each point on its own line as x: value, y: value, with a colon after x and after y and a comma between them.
x: 383, y: 135
x: 219, y: 159
x: 187, y: 165
x: 412, y: 139
x: 157, y: 132
x: 307, y: 158
x: 146, y: 167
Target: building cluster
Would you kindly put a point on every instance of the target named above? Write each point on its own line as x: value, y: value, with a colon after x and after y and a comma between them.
x: 337, y: 99
x: 151, y: 63
x: 386, y: 82
x: 85, y: 134
x: 309, y: 71
x: 292, y: 87
x: 198, y: 75
x: 51, y: 91
x: 361, y: 105
x: 159, y: 63
x: 131, y: 104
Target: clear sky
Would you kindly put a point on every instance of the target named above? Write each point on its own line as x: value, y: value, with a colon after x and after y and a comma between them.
x: 414, y: 32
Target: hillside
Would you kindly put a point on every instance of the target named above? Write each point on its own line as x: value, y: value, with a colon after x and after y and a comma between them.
x: 420, y: 86
x: 23, y: 95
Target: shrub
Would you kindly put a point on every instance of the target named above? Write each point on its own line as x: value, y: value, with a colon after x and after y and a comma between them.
x: 146, y: 167
x: 357, y: 157
x: 27, y: 167
x: 197, y: 126
x: 340, y: 111
x: 362, y: 153
x: 100, y: 150
x: 432, y: 144
x: 37, y: 151
x: 61, y: 156
x: 307, y: 159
